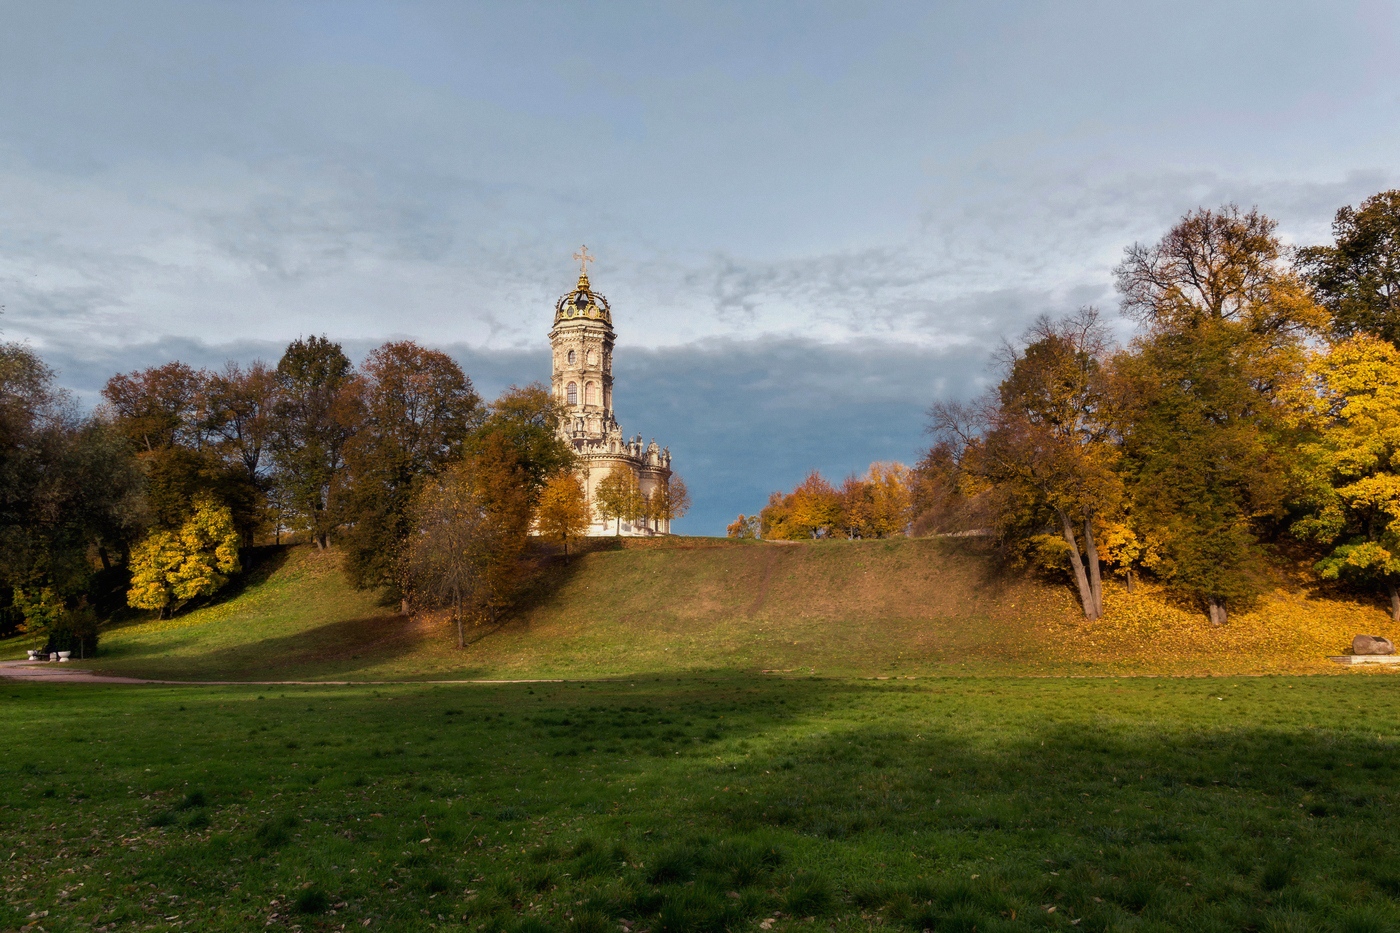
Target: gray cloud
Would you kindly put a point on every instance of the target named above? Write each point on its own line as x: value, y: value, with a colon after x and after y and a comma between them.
x: 812, y: 217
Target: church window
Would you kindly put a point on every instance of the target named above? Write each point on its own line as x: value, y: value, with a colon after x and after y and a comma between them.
x: 592, y: 358
x: 571, y: 357
x: 590, y: 393
x: 573, y: 389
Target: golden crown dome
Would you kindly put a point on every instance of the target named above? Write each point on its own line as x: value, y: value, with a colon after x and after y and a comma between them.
x: 582, y: 304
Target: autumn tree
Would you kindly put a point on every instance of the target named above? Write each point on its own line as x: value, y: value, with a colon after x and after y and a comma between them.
x: 945, y: 499
x: 1209, y: 386
x: 159, y: 407
x: 745, y: 527
x: 562, y: 514
x: 667, y: 501
x: 1358, y: 278
x: 618, y: 498
x: 316, y: 413
x: 811, y: 510
x: 527, y: 419
x: 1351, y: 473
x: 878, y: 504
x: 170, y: 416
x: 1045, y: 443
x: 239, y: 412
x: 419, y: 408
x: 468, y: 534
x: 857, y: 507
x: 175, y: 566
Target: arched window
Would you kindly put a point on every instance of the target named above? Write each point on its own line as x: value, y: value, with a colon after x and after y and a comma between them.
x: 572, y: 390
x: 571, y: 357
x: 592, y: 357
x: 590, y: 393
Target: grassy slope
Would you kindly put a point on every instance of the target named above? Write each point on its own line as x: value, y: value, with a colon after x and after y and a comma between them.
x: 704, y: 803
x: 293, y: 613
x: 717, y: 800
x: 904, y: 607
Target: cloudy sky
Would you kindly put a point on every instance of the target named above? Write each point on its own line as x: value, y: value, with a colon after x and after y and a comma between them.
x: 812, y: 220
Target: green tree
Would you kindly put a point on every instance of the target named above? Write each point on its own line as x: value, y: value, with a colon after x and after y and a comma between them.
x: 563, y: 514
x: 69, y: 486
x: 171, y: 567
x: 1212, y: 386
x: 1358, y: 278
x: 317, y: 412
x: 1352, y: 471
x: 419, y: 409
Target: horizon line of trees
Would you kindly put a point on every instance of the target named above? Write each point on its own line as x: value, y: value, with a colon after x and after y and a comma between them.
x: 1255, y: 411
x: 148, y: 500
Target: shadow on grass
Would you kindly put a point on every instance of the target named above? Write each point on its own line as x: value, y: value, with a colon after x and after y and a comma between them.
x: 1122, y: 822
x: 712, y: 801
x: 335, y: 650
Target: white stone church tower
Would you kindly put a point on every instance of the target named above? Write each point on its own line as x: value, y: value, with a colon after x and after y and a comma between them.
x: 582, y: 340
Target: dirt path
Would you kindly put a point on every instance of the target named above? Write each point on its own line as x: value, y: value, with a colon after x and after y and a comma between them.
x: 51, y: 672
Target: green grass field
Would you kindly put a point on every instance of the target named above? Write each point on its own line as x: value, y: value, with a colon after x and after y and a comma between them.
x: 741, y: 737
x: 689, y: 802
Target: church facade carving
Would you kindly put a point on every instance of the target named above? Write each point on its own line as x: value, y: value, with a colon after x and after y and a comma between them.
x: 582, y: 341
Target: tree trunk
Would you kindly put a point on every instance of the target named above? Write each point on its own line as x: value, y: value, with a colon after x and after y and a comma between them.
x: 1091, y: 551
x: 1394, y: 602
x: 457, y: 612
x: 1086, y: 596
x: 1218, y: 615
x: 403, y: 605
x: 1130, y: 579
x: 102, y: 556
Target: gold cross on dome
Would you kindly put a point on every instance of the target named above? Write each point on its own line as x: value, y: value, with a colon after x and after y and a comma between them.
x: 583, y: 259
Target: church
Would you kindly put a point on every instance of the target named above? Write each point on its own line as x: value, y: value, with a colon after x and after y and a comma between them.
x: 582, y: 342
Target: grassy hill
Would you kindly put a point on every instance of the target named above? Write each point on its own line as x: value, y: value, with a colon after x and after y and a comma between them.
x: 715, y: 797
x: 862, y: 608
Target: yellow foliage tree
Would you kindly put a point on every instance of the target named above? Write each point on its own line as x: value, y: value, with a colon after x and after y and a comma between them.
x: 619, y: 498
x: 562, y: 514
x: 1124, y: 550
x: 176, y: 566
x: 811, y: 510
x: 1353, y: 471
x: 890, y: 499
